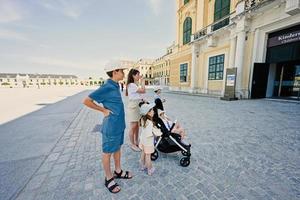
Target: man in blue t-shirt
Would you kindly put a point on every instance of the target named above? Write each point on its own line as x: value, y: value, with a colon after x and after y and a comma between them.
x: 113, y: 124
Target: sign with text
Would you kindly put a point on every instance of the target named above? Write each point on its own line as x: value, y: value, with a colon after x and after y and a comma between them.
x: 230, y: 79
x: 284, y: 39
x: 229, y: 93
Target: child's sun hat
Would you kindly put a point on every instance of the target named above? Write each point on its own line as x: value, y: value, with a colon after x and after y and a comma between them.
x: 145, y: 108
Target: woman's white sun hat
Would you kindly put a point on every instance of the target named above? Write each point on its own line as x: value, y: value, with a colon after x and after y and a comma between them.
x: 145, y: 108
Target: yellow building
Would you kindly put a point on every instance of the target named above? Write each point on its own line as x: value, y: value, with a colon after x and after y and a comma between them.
x: 144, y: 66
x: 254, y: 37
x: 181, y: 59
x: 161, y: 68
x: 128, y: 64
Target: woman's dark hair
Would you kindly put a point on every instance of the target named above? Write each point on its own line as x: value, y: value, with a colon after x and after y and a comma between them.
x: 130, y: 78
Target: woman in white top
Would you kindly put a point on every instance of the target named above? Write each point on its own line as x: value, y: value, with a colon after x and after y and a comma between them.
x: 134, y: 94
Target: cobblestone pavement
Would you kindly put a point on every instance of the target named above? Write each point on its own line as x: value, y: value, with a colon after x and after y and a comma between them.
x: 245, y: 149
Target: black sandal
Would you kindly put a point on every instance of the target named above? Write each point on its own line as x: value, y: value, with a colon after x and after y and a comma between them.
x: 112, y: 187
x: 119, y: 175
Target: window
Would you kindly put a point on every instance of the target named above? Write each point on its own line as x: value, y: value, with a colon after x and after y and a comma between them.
x: 185, y: 1
x: 183, y: 72
x: 216, y: 67
x: 222, y: 9
x: 187, y: 30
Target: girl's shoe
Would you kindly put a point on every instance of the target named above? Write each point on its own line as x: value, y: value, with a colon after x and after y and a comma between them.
x: 142, y: 166
x: 150, y: 171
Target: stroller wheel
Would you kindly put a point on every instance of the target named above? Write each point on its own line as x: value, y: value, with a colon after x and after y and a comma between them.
x: 184, y: 162
x: 154, y: 155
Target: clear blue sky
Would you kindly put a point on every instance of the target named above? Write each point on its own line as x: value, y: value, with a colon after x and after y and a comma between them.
x: 80, y: 36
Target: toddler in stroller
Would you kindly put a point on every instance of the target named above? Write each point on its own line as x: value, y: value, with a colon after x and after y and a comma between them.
x: 169, y: 123
x: 171, y: 141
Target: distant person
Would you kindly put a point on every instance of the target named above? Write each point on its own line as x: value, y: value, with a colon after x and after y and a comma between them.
x: 113, y: 125
x: 135, y: 96
x: 122, y: 86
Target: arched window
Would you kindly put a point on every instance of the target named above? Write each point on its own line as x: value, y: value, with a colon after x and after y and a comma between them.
x: 187, y: 30
x: 222, y: 9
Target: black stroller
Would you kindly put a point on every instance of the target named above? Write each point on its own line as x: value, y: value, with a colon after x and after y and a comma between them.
x: 170, y: 142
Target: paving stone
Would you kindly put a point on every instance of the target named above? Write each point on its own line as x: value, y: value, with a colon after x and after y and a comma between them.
x: 36, y: 182
x: 240, y: 150
x: 52, y: 157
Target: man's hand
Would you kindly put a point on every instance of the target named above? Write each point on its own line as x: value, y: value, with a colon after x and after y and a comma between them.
x: 90, y: 103
x: 107, y: 112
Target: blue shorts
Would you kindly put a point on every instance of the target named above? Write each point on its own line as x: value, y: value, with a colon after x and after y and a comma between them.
x: 112, y: 143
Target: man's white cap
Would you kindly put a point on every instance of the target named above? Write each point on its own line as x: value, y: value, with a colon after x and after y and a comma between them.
x: 145, y: 108
x: 113, y: 65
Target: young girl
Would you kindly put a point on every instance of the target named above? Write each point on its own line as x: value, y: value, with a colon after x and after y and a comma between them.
x: 135, y: 96
x: 147, y: 137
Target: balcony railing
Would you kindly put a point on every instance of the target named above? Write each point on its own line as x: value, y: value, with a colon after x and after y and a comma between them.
x: 242, y: 7
x: 223, y: 22
x: 220, y: 24
x: 200, y: 33
x: 252, y: 3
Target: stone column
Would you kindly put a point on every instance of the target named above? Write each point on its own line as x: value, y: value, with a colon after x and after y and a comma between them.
x: 232, y: 52
x: 195, y: 55
x: 239, y: 62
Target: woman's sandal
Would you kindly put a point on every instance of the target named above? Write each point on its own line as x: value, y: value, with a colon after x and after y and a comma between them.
x: 112, y: 187
x: 135, y: 148
x: 119, y: 175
